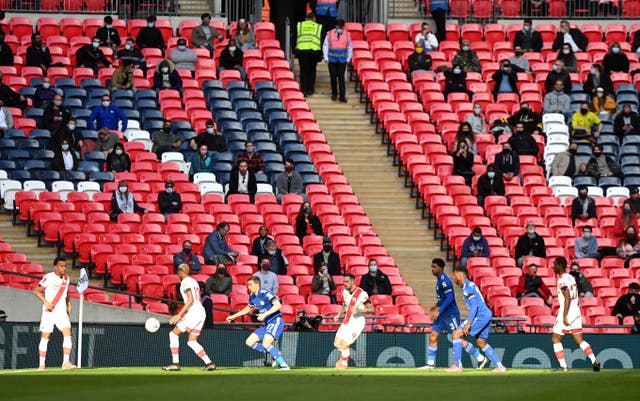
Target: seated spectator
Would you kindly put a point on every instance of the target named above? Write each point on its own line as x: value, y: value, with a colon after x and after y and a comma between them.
x: 165, y: 140
x: 277, y: 261
x: 568, y: 58
x: 626, y: 122
x: 375, y: 282
x: 586, y: 246
x: 465, y: 133
x: 231, y: 59
x: 289, y: 181
x: 600, y: 165
x: 216, y: 249
x: 38, y: 54
x: 220, y: 282
x: 268, y: 279
x: 466, y: 58
x: 259, y: 245
x: 628, y: 305
x: 131, y: 54
x: 634, y: 199
x: 530, y: 244
x: 615, y: 60
x: 107, y: 116
x: 531, y: 285
x: 118, y: 161
x: 323, y: 283
x: 557, y: 101
x: 490, y: 184
x: 182, y: 57
x: 522, y: 143
x: 201, y: 162
x: 123, y: 201
x: 532, y: 121
x: 456, y: 81
x: 68, y: 132
x: 475, y: 245
x: 186, y: 256
x: 567, y: 163
x: 629, y: 246
x: 44, y: 93
x: 254, y: 159
x: 9, y: 97
x: 463, y: 161
x: 169, y: 201
x: 6, y: 53
x: 215, y: 141
x: 597, y: 78
x: 582, y: 124
x: 64, y: 159
x: 528, y: 38
x: 244, y: 36
x: 519, y: 62
x: 307, y: 222
x: 419, y: 61
x: 107, y: 140
x: 626, y: 218
x: 243, y: 181
x: 122, y: 77
x: 505, y: 80
x: 55, y: 116
x: 603, y: 103
x: 90, y: 56
x: 166, y: 77
x: 583, y: 207
x: 585, y: 289
x: 203, y: 35
x: 328, y: 257
x: 507, y: 163
x: 108, y: 35
x: 558, y: 73
x: 150, y: 36
x: 477, y: 120
x: 573, y: 36
x: 427, y: 39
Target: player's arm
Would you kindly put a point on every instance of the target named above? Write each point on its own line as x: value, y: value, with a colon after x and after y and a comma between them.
x: 274, y: 308
x: 343, y: 310
x: 473, y: 312
x: 68, y: 304
x: 567, y: 303
x: 39, y: 293
x: 184, y: 309
x: 446, y: 302
x: 367, y: 307
x: 245, y: 311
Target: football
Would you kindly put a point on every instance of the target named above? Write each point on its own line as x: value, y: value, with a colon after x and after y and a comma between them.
x: 152, y: 325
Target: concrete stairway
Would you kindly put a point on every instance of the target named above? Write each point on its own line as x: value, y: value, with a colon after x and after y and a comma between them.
x: 376, y: 183
x: 401, y: 9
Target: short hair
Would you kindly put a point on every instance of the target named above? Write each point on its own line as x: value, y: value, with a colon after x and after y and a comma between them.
x: 438, y: 262
x: 185, y: 242
x: 527, y: 21
x: 130, y: 40
x: 183, y: 268
x: 222, y: 225
x: 59, y: 259
x: 311, y: 15
x: 351, y: 276
x: 33, y: 36
x: 263, y: 257
x: 532, y: 265
x: 587, y: 227
x: 461, y: 269
x: 561, y: 260
x: 208, y: 122
x: 634, y: 286
x: 271, y: 242
x: 169, y: 182
x: 564, y: 21
x: 108, y: 19
x: 477, y: 230
x: 339, y: 22
x: 151, y: 18
x: 96, y: 38
x: 205, y: 16
x: 288, y: 160
x: 254, y: 279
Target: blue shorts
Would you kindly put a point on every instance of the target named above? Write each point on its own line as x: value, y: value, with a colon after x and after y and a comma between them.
x: 446, y: 323
x: 274, y: 328
x: 480, y: 328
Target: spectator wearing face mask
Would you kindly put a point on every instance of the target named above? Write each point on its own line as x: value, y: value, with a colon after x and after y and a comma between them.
x: 477, y: 120
x: 131, y: 54
x: 289, y: 181
x: 473, y: 246
x: 68, y: 132
x: 463, y: 161
x: 323, y: 284
x: 626, y: 217
x: 466, y: 58
x: 505, y: 79
x: 507, y: 163
x: 220, y: 282
x: 558, y: 73
x: 254, y: 159
x: 38, y: 54
x: 259, y: 245
x: 427, y: 39
x: 277, y: 261
x: 215, y: 141
x: 44, y: 93
x: 626, y: 123
x: 628, y: 305
x: 107, y: 116
x: 118, y: 161
x: 586, y: 246
x: 585, y: 289
x: 123, y: 201
x: 419, y: 61
x: 603, y: 104
x: 531, y: 285
x: 530, y: 244
x: 65, y: 159
x: 182, y: 57
x: 55, y: 116
x: 456, y: 81
x: 307, y: 223
x: 165, y: 140
x: 615, y: 60
x: 375, y: 282
x: 203, y: 35
x: 186, y: 256
x: 522, y: 143
x: 489, y: 184
x: 601, y: 165
x: 573, y: 36
x: 244, y: 36
x: 201, y: 161
x: 231, y: 59
x: 166, y: 77
x: 629, y: 247
x: 583, y: 207
x: 597, y: 77
x: 567, y: 163
x: 108, y: 35
x: 528, y: 38
x: 568, y: 57
x: 465, y: 133
x: 327, y: 256
x: 519, y: 62
x: 123, y: 77
x: 531, y: 120
x: 583, y: 122
x: 268, y: 279
x: 150, y: 36
x: 90, y: 56
x: 169, y: 201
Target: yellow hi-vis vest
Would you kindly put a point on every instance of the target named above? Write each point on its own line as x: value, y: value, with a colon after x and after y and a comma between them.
x: 308, y: 36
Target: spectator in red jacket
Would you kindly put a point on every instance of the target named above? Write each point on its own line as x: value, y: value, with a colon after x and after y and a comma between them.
x: 530, y: 285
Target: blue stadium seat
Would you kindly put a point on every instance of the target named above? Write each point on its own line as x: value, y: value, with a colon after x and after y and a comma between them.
x: 273, y: 167
x: 227, y: 125
x: 122, y: 94
x: 271, y: 106
x: 299, y: 158
x: 63, y: 83
x: 97, y: 93
x: 266, y: 147
x: 630, y: 171
x: 630, y: 160
x: 74, y: 176
x: 7, y: 165
x: 28, y: 144
x: 152, y: 115
x: 309, y: 179
x: 28, y: 92
x: 33, y: 113
x: 212, y: 84
x: 131, y: 114
x: 292, y: 148
x: 19, y: 175
x: 216, y: 95
x: 95, y: 156
x: 262, y: 178
x: 220, y: 105
x: 632, y: 181
x: 81, y: 114
x: 239, y: 95
x: 124, y: 104
x: 629, y: 150
x: 250, y: 116
x: 7, y: 144
x: 89, y: 134
x: 181, y: 125
x: 186, y: 134
x: 235, y: 136
x: 631, y: 140
x: 146, y: 104
x: 235, y: 146
x: 288, y: 137
x: 577, y: 181
x: 280, y: 126
x: 43, y: 154
x: 73, y: 102
x: 626, y: 88
x: 627, y: 98
x: 605, y: 182
x: 88, y: 166
x: 19, y: 156
x: 36, y: 165
x: 233, y: 86
x: 146, y: 94
x: 152, y: 125
x: 244, y: 104
x: 14, y: 133
x: 76, y: 93
x: 222, y: 158
x: 101, y: 177
x: 264, y: 86
x: 92, y: 103
x: 271, y: 157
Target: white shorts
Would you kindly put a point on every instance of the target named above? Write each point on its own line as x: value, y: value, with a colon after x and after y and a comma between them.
x: 57, y: 318
x: 574, y: 327
x: 349, y: 332
x: 192, y: 322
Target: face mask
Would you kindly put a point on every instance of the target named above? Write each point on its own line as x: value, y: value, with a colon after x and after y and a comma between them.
x: 457, y: 70
x: 182, y: 47
x: 600, y: 94
x: 594, y: 71
x: 119, y: 152
x: 65, y: 147
x: 109, y: 26
x: 169, y: 190
x: 127, y: 46
x: 57, y: 103
x: 205, y: 22
x: 323, y: 271
x: 122, y: 189
x: 164, y: 70
x: 583, y: 196
x: 166, y: 129
x: 554, y: 67
x: 477, y: 110
x: 131, y: 71
x: 465, y: 48
x: 491, y: 174
x: 46, y: 85
x: 526, y: 28
x: 288, y: 169
x: 373, y: 268
x: 626, y: 210
x: 96, y: 44
x: 106, y: 103
x: 232, y: 48
x: 476, y: 238
x: 587, y: 235
x: 505, y: 151
x: 566, y: 51
x: 210, y: 130
x: 631, y: 235
x: 271, y: 252
x: 531, y: 231
x: 524, y: 110
x: 505, y: 69
x: 327, y: 248
x: 38, y: 43
x: 150, y: 24
x: 597, y: 154
x: 307, y: 210
x: 266, y: 266
x: 72, y: 127
x: 615, y: 50
x: 573, y: 151
x: 339, y: 31
x: 419, y: 50
x: 250, y: 149
x: 519, y: 53
x: 584, y: 111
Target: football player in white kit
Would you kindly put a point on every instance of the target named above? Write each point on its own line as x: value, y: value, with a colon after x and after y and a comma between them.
x: 53, y: 292
x: 569, y: 320
x: 190, y: 319
x: 356, y: 304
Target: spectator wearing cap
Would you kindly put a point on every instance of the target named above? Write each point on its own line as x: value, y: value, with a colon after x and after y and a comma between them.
x: 186, y: 256
x: 585, y: 289
x: 169, y: 201
x: 183, y: 58
x: 375, y: 282
x: 583, y: 207
x: 628, y: 305
x: 490, y: 184
x: 530, y: 244
x: 289, y: 181
x: 328, y: 256
x: 427, y: 39
x: 150, y: 36
x: 474, y: 245
x: 586, y: 246
x: 531, y: 285
x: 277, y: 261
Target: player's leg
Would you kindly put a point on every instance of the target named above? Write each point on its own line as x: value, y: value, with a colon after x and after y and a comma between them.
x: 490, y: 352
x: 558, y: 349
x: 475, y: 353
x: 42, y: 349
x: 345, y: 352
x: 174, y: 347
x: 255, y: 340
x: 274, y: 331
x: 66, y: 348
x: 198, y: 350
x: 586, y: 348
x: 457, y: 352
x: 432, y: 350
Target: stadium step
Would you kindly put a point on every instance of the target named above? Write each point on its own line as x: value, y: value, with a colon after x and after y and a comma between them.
x: 376, y: 183
x: 403, y: 9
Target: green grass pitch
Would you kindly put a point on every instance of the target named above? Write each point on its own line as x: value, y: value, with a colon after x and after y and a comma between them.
x: 310, y: 384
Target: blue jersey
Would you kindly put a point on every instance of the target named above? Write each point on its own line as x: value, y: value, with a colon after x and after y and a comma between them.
x: 446, y: 298
x: 478, y: 309
x: 263, y: 301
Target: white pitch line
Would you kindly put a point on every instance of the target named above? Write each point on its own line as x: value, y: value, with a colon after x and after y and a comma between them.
x: 6, y: 372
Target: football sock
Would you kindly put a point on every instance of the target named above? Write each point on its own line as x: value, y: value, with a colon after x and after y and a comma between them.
x: 558, y: 349
x: 66, y: 349
x: 174, y: 345
x: 473, y: 351
x: 42, y: 350
x: 345, y: 353
x: 457, y: 352
x: 258, y: 347
x: 587, y: 350
x: 275, y: 354
x: 493, y: 357
x: 197, y: 348
x: 431, y: 354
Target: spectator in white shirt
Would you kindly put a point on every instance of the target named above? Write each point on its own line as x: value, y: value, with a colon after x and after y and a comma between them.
x: 427, y: 38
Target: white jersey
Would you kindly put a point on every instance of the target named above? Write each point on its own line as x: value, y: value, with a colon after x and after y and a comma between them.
x: 358, y: 298
x: 190, y: 284
x: 55, y: 291
x: 567, y: 281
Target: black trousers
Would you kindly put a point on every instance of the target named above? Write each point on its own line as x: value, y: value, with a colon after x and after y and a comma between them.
x: 440, y: 18
x: 336, y: 74
x: 308, y: 63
